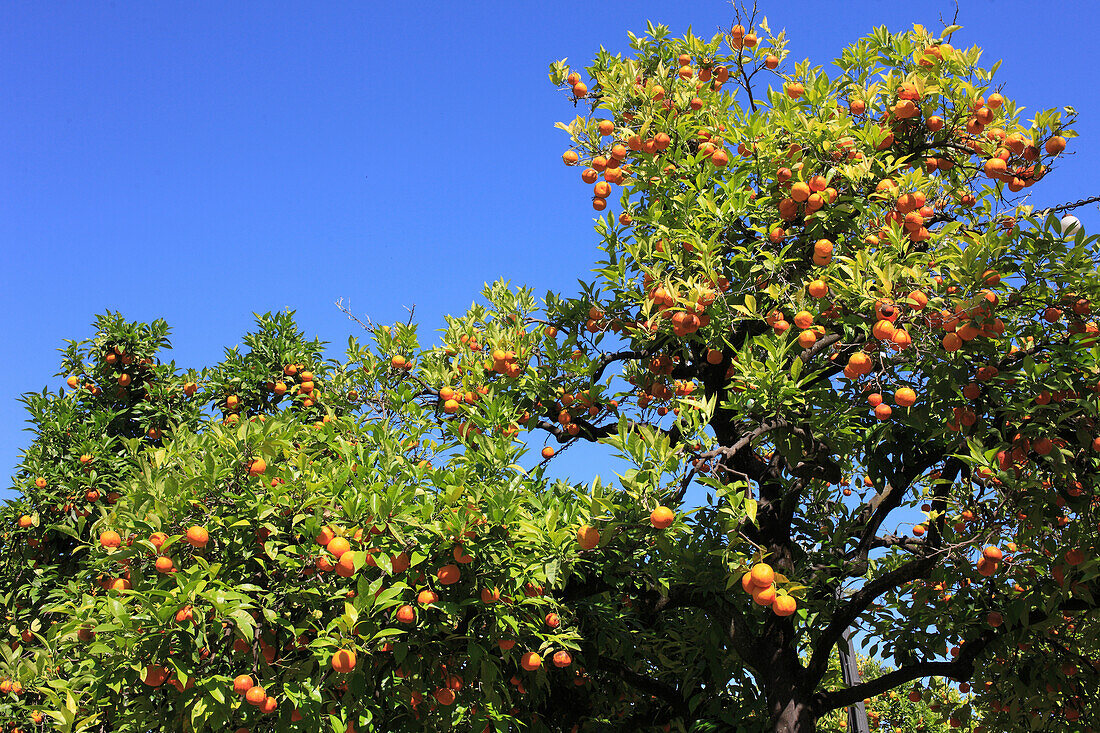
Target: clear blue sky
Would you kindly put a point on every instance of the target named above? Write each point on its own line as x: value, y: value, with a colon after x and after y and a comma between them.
x: 204, y: 161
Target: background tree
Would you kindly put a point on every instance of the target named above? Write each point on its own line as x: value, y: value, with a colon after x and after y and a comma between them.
x: 821, y: 319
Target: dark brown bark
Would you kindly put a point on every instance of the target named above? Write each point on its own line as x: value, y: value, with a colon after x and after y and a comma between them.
x: 796, y: 716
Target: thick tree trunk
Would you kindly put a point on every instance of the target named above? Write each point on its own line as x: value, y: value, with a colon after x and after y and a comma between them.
x: 795, y: 716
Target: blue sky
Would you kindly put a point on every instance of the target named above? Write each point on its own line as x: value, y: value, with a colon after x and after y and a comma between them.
x: 204, y: 161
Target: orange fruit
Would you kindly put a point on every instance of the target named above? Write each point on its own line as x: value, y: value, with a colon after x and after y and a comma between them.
x: 345, y: 566
x: 661, y: 517
x: 427, y: 597
x: 762, y: 575
x: 784, y: 605
x: 547, y: 452
x: 326, y: 535
x: 530, y: 661
x: 155, y: 675
x: 764, y: 596
x: 343, y: 661
x: 448, y: 574
x: 110, y: 539
x: 242, y: 684
x: 197, y: 537
x: 905, y: 397
x: 562, y: 658
x: 588, y: 537
x: 337, y: 546
x: 256, y: 466
x: 255, y: 696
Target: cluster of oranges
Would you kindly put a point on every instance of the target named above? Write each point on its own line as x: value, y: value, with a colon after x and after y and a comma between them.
x: 759, y: 582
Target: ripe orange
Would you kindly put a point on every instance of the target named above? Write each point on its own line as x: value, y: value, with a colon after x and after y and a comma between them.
x: 764, y: 596
x: 256, y: 466
x: 242, y: 684
x: 547, y: 452
x: 823, y: 252
x: 562, y: 658
x: 164, y: 564
x: 343, y: 661
x: 25, y: 521
x: 661, y: 517
x: 110, y: 539
x: 588, y: 537
x: 255, y: 696
x: 448, y: 574
x: 530, y: 661
x: 784, y: 605
x: 905, y: 397
x: 197, y: 537
x: 155, y: 675
x: 326, y: 535
x: 337, y: 546
x: 345, y: 566
x: 762, y: 575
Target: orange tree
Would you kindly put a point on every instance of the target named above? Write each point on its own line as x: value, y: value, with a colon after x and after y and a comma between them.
x: 849, y: 378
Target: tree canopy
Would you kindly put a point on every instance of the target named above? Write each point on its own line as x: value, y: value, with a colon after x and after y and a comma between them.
x: 843, y: 373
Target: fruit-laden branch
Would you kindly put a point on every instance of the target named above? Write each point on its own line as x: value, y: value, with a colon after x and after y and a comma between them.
x: 961, y: 668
